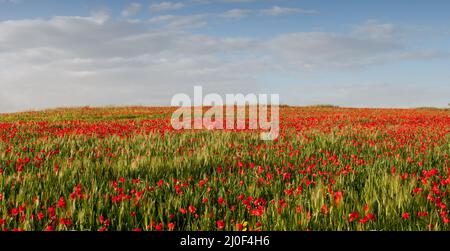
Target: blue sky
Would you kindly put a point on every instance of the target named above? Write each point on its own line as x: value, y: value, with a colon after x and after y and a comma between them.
x: 349, y: 53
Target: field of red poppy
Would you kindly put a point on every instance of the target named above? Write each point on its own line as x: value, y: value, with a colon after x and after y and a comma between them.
x: 127, y: 169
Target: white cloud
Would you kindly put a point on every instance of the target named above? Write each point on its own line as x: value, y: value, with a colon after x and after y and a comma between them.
x: 96, y: 60
x: 321, y: 49
x: 243, y: 1
x: 274, y: 11
x: 371, y: 43
x: 277, y: 10
x: 375, y: 30
x: 75, y: 61
x: 11, y: 1
x: 175, y: 21
x: 236, y: 13
x: 189, y: 21
x: 166, y: 6
x: 131, y: 9
x: 373, y: 94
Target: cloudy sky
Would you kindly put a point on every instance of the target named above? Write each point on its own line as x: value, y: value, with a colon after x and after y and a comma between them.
x: 356, y: 53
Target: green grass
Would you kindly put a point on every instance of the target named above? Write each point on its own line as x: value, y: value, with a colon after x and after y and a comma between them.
x: 314, y: 163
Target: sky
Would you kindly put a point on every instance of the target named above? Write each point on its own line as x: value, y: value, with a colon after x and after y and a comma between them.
x: 352, y: 53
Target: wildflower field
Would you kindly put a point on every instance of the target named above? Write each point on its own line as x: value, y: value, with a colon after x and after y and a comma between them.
x: 126, y: 169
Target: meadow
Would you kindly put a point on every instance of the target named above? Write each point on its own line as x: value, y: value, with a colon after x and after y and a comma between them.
x: 126, y: 169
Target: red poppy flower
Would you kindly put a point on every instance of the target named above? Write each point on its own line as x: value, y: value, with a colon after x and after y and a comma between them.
x: 366, y: 208
x: 422, y: 214
x: 324, y: 209
x: 65, y: 222
x: 257, y: 212
x: 40, y: 216
x: 220, y: 224
x: 14, y: 211
x: 393, y: 170
x: 61, y: 202
x: 201, y: 183
x: 353, y: 216
x: 101, y: 218
x: 338, y: 197
x: 364, y: 220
